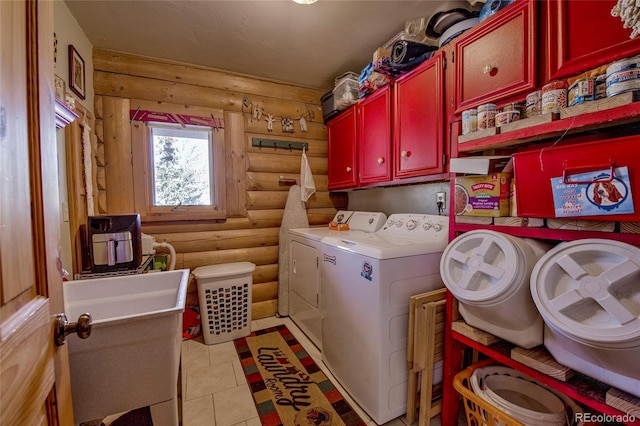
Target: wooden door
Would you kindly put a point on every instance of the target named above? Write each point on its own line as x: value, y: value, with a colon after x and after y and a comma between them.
x: 341, y: 130
x: 374, y: 137
x: 418, y: 121
x: 33, y: 372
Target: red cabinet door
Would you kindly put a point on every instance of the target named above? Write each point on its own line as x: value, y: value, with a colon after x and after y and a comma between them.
x: 583, y: 35
x: 342, y: 150
x: 418, y: 117
x: 374, y: 137
x: 497, y: 59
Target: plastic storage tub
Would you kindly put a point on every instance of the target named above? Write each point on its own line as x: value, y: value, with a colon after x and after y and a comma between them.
x: 225, y: 300
x: 588, y: 293
x: 488, y: 272
x: 345, y: 93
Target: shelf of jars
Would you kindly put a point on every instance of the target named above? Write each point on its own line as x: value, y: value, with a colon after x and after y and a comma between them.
x: 587, y: 391
x: 600, y: 114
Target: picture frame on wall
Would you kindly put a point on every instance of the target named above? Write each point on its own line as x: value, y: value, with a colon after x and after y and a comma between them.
x: 76, y: 73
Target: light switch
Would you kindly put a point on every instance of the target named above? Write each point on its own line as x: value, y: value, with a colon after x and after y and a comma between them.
x: 65, y: 212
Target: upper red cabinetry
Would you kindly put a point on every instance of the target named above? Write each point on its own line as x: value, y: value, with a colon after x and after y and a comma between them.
x: 418, y: 120
x: 583, y: 35
x: 342, y: 150
x: 374, y: 137
x: 498, y: 58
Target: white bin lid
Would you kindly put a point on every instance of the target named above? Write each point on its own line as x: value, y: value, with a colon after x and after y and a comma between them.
x: 589, y: 290
x: 480, y: 265
x: 224, y: 270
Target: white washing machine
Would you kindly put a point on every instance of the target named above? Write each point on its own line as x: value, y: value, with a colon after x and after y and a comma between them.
x: 367, y: 282
x: 304, y: 267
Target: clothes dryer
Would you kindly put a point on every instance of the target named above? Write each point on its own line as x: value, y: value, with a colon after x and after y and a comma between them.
x: 304, y: 265
x: 368, y: 280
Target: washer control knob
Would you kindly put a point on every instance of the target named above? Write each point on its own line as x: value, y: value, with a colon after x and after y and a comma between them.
x: 399, y: 223
x: 437, y: 227
x: 426, y: 226
x: 390, y: 222
x: 411, y: 224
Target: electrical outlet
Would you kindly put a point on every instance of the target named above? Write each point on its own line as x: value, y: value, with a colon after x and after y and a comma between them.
x: 441, y: 197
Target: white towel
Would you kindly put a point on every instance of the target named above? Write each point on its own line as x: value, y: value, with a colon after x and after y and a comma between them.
x: 308, y: 186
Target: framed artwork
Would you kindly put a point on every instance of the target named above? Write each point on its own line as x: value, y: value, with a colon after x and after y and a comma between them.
x: 76, y: 73
x: 60, y: 88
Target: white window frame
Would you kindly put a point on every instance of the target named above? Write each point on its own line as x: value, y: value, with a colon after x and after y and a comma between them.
x: 142, y: 152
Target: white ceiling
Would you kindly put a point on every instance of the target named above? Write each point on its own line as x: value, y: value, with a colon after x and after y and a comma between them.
x: 280, y: 40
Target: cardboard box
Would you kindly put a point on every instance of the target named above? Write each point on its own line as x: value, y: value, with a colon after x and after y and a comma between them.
x: 484, y: 195
x: 480, y: 165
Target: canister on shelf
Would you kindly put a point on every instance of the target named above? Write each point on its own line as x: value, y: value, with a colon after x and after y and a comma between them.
x: 507, y: 117
x: 581, y: 90
x: 486, y: 116
x: 554, y: 96
x: 533, y: 104
x: 623, y: 76
x: 514, y: 106
x: 469, y: 121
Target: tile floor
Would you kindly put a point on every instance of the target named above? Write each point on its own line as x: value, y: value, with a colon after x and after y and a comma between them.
x: 215, y: 391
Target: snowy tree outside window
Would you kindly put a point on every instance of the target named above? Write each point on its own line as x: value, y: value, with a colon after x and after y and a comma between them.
x: 182, y: 166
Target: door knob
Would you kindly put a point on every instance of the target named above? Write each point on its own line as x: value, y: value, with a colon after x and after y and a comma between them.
x: 348, y: 169
x: 405, y: 154
x: 63, y: 328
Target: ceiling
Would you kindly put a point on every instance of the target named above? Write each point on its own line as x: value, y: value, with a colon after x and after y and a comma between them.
x: 307, y: 45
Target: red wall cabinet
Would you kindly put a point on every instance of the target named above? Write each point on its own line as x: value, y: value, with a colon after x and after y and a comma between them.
x: 582, y: 35
x: 374, y: 137
x: 498, y: 59
x: 342, y: 173
x: 418, y: 120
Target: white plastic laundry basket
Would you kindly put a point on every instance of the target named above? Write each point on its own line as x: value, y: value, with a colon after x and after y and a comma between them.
x: 488, y: 272
x: 225, y: 300
x: 588, y: 293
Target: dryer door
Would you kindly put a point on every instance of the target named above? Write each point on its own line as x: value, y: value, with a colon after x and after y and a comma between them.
x: 304, y: 273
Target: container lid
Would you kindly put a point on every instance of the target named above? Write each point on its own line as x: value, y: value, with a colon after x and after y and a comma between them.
x: 480, y: 266
x: 588, y: 290
x: 224, y: 270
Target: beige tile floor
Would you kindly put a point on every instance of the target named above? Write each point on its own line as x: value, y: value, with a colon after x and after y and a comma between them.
x: 215, y: 391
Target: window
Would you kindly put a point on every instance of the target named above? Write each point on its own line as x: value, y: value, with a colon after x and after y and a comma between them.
x: 183, y: 177
x: 182, y: 167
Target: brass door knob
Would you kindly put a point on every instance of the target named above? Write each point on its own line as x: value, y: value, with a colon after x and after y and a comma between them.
x: 63, y: 328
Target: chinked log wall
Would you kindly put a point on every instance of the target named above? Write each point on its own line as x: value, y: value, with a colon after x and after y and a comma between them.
x: 255, y: 196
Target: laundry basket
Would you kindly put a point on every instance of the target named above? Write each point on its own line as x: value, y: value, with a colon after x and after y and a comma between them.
x: 477, y: 410
x: 225, y: 300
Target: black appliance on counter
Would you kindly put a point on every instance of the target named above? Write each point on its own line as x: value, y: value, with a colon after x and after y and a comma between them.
x: 114, y: 242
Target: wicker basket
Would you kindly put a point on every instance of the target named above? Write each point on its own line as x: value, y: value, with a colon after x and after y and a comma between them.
x: 479, y: 412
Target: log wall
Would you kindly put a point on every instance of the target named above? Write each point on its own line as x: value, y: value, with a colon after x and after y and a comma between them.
x: 255, y: 195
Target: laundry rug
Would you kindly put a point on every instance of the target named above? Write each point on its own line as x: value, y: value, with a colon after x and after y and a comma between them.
x: 288, y: 387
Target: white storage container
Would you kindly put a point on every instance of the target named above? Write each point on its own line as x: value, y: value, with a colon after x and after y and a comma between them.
x: 588, y: 293
x: 345, y: 92
x: 488, y: 272
x: 225, y: 300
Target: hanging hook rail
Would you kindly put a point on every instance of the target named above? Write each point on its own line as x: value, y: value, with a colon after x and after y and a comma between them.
x: 260, y: 143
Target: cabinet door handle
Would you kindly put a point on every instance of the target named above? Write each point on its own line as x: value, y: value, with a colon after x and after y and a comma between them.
x: 380, y: 160
x: 405, y: 153
x: 491, y: 70
x: 348, y: 169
